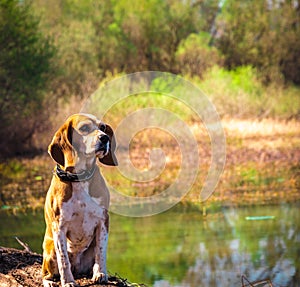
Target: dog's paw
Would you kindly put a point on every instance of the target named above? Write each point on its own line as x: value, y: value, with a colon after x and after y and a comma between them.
x: 100, y: 277
x: 49, y: 283
x: 70, y: 284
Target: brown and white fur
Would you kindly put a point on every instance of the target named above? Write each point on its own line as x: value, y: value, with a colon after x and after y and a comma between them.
x: 76, y: 213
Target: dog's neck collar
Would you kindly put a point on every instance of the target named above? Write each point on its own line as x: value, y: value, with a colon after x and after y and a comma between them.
x: 74, y: 177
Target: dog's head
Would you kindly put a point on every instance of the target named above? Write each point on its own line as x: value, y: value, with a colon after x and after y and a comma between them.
x: 83, y: 136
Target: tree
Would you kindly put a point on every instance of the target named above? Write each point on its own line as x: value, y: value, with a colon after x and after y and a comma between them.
x: 143, y: 35
x: 195, y: 56
x: 264, y: 34
x: 25, y: 67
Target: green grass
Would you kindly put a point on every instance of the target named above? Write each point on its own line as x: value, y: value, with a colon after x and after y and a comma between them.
x: 240, y: 93
x: 236, y: 94
x: 136, y: 102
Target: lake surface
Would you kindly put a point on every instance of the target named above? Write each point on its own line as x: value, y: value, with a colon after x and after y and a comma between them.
x: 180, y: 248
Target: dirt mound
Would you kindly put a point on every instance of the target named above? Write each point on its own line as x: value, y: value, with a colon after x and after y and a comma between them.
x: 23, y: 269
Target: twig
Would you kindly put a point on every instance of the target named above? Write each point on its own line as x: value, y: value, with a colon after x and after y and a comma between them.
x: 25, y: 245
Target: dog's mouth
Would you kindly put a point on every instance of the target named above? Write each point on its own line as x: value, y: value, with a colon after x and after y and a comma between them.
x: 101, y: 149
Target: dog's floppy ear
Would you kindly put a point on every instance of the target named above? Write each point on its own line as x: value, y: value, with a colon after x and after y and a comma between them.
x: 110, y: 158
x: 61, y: 145
x: 55, y: 151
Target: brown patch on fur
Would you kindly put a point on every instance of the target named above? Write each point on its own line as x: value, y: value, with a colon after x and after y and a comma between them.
x: 66, y: 191
x: 106, y: 221
x: 61, y: 192
x: 61, y: 149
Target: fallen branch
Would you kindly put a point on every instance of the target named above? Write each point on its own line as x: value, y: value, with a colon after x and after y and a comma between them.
x: 25, y: 245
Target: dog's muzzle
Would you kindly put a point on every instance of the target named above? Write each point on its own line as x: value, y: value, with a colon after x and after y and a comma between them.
x: 102, y: 145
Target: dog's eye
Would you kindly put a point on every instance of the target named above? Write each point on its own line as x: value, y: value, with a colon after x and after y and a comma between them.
x: 102, y: 127
x: 85, y: 128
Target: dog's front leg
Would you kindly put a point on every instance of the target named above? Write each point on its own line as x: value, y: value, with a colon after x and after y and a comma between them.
x: 63, y: 262
x: 99, y: 269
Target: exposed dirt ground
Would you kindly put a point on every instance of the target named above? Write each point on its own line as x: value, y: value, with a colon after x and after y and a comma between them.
x: 23, y: 269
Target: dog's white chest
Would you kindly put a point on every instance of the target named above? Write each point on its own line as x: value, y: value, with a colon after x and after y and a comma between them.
x: 80, y: 217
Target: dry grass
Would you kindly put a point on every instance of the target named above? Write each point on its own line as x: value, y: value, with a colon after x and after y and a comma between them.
x: 260, y: 128
x: 262, y: 163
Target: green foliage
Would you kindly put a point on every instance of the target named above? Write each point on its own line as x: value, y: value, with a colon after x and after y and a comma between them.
x: 241, y: 93
x: 194, y: 55
x: 25, y: 65
x: 70, y: 24
x: 263, y: 34
x: 11, y: 170
x: 142, y: 35
x: 245, y: 78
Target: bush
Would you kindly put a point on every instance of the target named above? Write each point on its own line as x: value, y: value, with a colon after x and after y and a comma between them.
x: 240, y: 93
x: 194, y: 56
x: 262, y: 34
x: 25, y: 67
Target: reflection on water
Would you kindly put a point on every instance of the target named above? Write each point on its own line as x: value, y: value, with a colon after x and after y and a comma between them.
x: 179, y: 248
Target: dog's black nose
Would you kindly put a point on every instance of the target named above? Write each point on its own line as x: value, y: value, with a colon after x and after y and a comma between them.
x: 104, y: 139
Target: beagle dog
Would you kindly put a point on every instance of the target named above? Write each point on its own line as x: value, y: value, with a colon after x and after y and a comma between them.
x: 76, y: 206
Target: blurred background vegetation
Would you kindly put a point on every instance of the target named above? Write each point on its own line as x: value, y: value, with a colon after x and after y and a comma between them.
x: 243, y: 54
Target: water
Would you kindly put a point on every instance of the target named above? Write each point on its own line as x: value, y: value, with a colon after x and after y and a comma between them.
x: 180, y: 248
